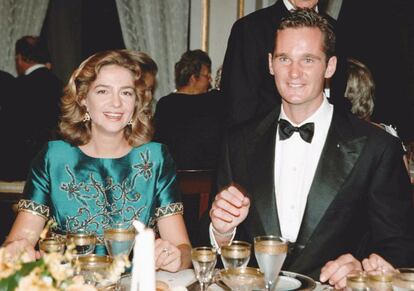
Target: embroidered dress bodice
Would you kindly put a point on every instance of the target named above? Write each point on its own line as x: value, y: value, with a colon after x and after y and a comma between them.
x: 82, y: 192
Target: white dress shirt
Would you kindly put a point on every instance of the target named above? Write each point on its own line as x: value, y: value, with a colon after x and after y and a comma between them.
x: 295, y: 166
x: 289, y: 6
x: 33, y: 68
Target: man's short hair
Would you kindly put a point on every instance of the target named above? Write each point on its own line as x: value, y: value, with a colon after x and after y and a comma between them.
x: 190, y: 64
x: 305, y: 17
x: 32, y: 49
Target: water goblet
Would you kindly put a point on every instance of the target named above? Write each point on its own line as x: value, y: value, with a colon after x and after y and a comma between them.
x: 93, y: 268
x: 204, y: 260
x: 403, y: 279
x: 83, y: 241
x: 270, y: 254
x: 236, y: 255
x: 119, y: 238
x: 50, y: 245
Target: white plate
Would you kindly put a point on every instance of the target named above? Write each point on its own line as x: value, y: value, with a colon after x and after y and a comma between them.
x: 285, y: 283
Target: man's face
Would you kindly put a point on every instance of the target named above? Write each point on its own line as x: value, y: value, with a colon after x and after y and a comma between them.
x: 203, y: 81
x: 304, y: 3
x: 299, y: 68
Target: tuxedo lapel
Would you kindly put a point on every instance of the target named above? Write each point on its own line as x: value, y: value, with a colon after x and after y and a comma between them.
x: 339, y: 155
x: 263, y: 217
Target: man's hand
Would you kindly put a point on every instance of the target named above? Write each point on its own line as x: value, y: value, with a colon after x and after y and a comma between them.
x: 376, y: 263
x: 229, y: 209
x: 335, y: 272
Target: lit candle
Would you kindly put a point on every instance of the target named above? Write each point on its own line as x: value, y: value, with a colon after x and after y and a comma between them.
x: 143, y: 268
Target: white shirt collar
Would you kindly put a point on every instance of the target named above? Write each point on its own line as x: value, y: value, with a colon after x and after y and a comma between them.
x: 319, y: 116
x: 34, y: 67
x: 289, y: 6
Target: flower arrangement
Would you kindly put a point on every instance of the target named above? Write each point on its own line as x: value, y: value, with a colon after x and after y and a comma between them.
x: 54, y: 271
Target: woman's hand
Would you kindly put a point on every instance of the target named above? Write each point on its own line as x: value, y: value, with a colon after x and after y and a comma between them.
x: 167, y: 256
x: 21, y: 247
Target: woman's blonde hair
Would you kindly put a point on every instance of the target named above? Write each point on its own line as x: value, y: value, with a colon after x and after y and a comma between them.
x: 360, y: 89
x: 75, y: 129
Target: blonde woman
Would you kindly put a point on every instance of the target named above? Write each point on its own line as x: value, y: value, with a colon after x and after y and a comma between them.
x: 105, y: 169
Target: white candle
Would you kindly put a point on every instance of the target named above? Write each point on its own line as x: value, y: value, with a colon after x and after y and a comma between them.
x: 143, y: 268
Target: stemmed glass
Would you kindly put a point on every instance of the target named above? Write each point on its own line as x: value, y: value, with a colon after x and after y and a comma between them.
x: 119, y: 238
x: 236, y: 255
x: 204, y: 260
x: 52, y: 245
x: 270, y: 254
x: 83, y: 241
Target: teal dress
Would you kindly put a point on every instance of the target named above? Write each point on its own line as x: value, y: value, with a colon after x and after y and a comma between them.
x: 84, y: 193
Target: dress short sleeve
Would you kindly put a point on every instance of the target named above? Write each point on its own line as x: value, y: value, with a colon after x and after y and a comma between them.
x: 168, y: 194
x: 36, y: 192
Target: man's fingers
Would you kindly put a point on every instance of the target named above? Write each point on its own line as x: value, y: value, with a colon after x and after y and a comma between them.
x: 221, y: 214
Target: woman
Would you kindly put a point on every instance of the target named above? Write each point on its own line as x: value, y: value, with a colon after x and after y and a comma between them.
x: 105, y: 169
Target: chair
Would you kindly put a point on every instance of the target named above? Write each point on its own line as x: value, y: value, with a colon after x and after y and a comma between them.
x: 10, y: 194
x: 196, y: 187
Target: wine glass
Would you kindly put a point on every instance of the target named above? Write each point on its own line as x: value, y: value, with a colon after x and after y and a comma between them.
x: 403, y: 279
x: 83, y: 241
x: 236, y: 255
x: 270, y: 254
x: 204, y: 260
x: 52, y: 245
x: 380, y: 280
x: 357, y: 281
x: 93, y: 268
x: 119, y: 238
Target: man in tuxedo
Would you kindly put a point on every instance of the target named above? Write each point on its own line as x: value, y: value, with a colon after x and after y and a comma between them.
x: 333, y: 185
x: 246, y: 85
x: 37, y: 104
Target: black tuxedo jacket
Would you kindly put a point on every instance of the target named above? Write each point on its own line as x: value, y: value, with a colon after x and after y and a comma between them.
x: 36, y: 107
x: 247, y: 86
x: 359, y: 201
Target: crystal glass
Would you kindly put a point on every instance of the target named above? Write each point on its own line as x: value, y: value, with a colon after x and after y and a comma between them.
x: 380, y: 280
x: 93, y: 268
x: 83, y: 241
x: 119, y: 239
x: 204, y: 261
x: 357, y: 281
x: 403, y: 279
x: 236, y: 255
x: 270, y: 254
x: 243, y: 279
x: 52, y: 245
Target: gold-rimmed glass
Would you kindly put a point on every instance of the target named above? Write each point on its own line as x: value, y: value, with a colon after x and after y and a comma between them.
x: 380, y: 280
x: 119, y: 238
x: 83, y: 241
x: 204, y: 261
x: 243, y: 279
x: 93, y: 268
x: 236, y: 254
x: 270, y: 252
x: 403, y: 279
x: 52, y: 245
x: 357, y: 281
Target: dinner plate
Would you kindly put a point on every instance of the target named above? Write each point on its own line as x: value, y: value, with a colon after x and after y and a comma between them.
x: 288, y: 281
x: 293, y: 281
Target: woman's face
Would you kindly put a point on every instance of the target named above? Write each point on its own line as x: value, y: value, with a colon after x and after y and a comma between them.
x: 111, y: 100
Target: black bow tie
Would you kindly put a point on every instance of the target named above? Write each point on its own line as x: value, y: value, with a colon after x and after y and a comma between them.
x: 286, y: 130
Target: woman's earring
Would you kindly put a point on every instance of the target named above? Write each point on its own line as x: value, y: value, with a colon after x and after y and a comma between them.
x: 129, y: 122
x: 87, y: 117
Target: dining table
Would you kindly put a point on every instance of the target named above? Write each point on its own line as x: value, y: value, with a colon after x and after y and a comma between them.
x: 186, y: 278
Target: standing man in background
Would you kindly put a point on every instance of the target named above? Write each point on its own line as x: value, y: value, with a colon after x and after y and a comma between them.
x: 247, y: 86
x: 36, y: 107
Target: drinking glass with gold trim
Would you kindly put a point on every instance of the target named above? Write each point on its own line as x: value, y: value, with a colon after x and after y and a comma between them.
x: 236, y: 254
x: 83, y: 241
x: 119, y: 238
x: 270, y: 254
x: 204, y: 261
